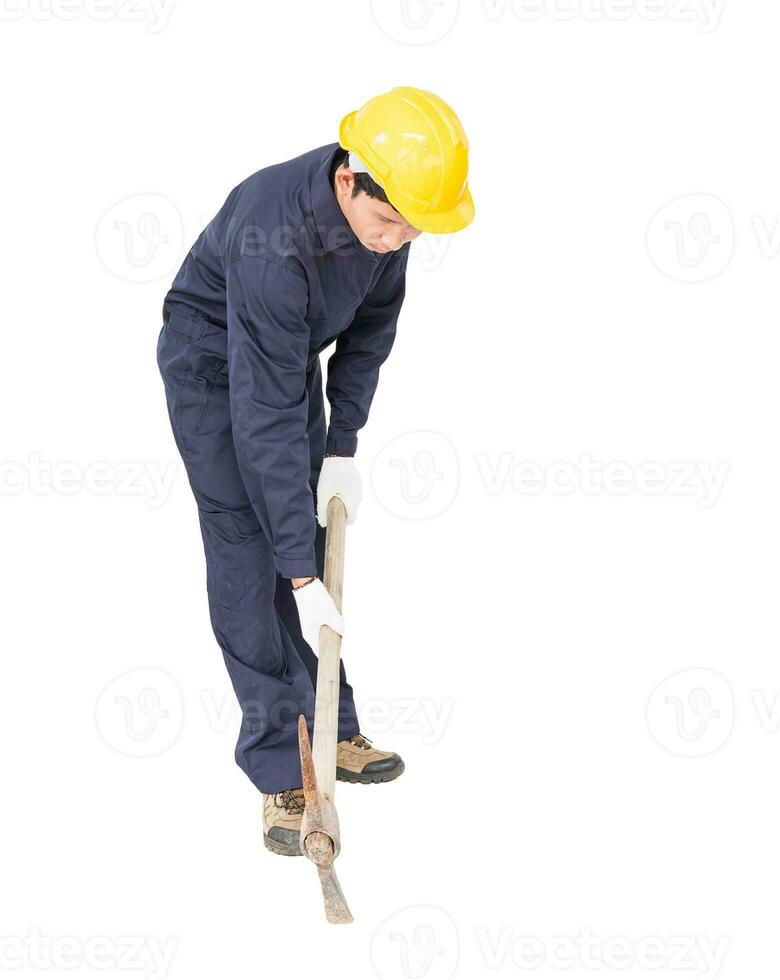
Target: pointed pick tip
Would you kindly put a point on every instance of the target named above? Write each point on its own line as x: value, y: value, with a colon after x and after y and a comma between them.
x: 308, y: 775
x: 303, y: 731
x: 336, y: 908
x: 343, y: 919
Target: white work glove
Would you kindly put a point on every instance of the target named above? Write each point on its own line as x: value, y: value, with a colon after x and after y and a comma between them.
x: 339, y: 477
x: 316, y: 608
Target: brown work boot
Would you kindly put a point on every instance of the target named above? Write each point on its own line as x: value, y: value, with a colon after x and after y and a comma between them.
x: 282, y: 814
x: 357, y: 761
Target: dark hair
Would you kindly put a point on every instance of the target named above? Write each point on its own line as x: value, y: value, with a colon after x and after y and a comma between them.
x: 363, y: 182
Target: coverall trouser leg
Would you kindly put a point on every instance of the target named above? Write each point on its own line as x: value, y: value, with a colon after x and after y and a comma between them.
x: 255, y: 620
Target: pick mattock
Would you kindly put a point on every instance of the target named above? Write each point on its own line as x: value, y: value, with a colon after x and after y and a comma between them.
x: 320, y: 838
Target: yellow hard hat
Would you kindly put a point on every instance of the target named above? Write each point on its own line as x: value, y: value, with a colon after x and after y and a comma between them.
x: 413, y: 145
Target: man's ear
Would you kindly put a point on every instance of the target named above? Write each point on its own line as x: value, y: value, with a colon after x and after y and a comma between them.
x: 345, y: 180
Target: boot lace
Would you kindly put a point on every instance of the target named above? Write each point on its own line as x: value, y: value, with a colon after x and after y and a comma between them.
x: 291, y: 800
x: 360, y: 741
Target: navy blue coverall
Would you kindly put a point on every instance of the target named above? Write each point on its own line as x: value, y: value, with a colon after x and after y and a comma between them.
x: 273, y: 280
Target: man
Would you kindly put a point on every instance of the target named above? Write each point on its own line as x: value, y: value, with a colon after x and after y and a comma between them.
x: 302, y: 254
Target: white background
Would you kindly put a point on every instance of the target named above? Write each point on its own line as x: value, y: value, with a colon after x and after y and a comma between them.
x: 521, y: 579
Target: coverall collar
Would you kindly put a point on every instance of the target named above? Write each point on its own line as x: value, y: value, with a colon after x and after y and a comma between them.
x: 332, y: 226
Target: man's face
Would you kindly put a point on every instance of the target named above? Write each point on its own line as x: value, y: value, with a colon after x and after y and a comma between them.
x: 378, y: 225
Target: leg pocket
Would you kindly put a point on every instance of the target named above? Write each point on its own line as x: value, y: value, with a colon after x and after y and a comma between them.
x: 225, y: 572
x: 241, y: 579
x: 201, y: 402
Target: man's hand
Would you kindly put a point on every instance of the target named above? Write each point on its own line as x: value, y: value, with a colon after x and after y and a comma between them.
x: 339, y: 477
x: 316, y: 608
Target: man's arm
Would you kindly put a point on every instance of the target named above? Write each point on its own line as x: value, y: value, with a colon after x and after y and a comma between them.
x: 268, y: 346
x: 353, y: 368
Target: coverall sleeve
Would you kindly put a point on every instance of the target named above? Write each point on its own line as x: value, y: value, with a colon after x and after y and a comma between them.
x: 268, y: 346
x: 353, y: 368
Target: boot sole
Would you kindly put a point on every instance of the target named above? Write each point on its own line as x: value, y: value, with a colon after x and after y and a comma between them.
x: 286, y: 850
x: 347, y: 776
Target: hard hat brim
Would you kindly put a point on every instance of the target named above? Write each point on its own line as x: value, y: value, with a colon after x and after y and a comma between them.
x: 443, y: 222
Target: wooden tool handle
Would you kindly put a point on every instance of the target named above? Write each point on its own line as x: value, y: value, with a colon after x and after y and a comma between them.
x: 320, y: 836
x: 326, y: 705
x: 335, y: 541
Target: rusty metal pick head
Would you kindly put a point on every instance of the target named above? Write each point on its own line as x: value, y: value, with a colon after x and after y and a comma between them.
x: 320, y: 837
x: 315, y: 842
